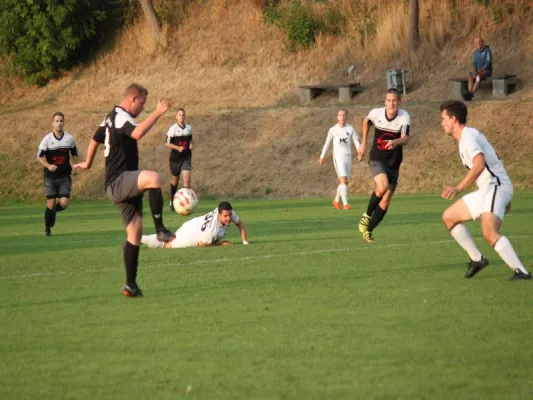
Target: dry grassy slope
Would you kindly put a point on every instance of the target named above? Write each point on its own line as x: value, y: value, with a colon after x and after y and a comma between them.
x: 251, y: 136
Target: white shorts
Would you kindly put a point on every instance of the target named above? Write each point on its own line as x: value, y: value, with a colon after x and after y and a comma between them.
x: 491, y: 198
x: 343, y: 165
x: 185, y: 237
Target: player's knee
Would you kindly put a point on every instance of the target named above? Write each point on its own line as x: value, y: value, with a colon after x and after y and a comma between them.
x: 447, y: 219
x: 490, y: 235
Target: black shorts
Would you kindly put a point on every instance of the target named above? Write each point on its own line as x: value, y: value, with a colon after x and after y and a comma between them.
x: 57, y: 187
x: 182, y: 165
x: 378, y: 167
x: 124, y: 192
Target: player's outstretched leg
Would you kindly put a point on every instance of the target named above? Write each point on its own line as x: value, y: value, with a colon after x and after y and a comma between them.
x: 156, y: 207
x: 372, y: 205
x: 152, y: 242
x: 507, y: 254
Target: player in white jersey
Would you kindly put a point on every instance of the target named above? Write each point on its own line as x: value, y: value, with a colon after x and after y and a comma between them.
x: 207, y: 230
x: 341, y: 135
x: 490, y: 202
x: 391, y: 133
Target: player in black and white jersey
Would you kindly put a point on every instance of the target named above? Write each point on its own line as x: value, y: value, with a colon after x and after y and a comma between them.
x: 207, y: 230
x: 54, y: 154
x: 489, y: 203
x: 341, y: 134
x: 124, y: 182
x: 391, y: 133
x: 179, y: 141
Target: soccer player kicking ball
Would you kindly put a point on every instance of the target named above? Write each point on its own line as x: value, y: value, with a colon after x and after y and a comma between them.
x: 341, y: 134
x: 490, y: 202
x: 207, y: 230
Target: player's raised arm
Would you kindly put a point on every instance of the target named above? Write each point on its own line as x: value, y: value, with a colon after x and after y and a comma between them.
x: 142, y: 128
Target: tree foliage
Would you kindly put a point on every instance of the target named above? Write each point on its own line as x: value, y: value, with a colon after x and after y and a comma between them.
x: 42, y: 37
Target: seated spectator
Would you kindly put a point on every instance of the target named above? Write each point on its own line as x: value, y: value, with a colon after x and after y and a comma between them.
x: 482, y: 63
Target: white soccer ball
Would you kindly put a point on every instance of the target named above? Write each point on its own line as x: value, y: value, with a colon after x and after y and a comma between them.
x: 185, y: 201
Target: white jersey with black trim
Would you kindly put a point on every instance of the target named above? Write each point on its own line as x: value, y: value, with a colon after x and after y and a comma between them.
x: 206, y: 228
x: 57, y: 151
x: 472, y: 143
x: 341, y: 136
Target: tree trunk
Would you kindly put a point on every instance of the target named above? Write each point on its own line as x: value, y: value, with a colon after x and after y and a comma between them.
x: 414, y: 36
x: 149, y: 13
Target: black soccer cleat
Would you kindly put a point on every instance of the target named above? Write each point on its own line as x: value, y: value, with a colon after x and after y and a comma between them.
x: 468, y: 96
x: 519, y: 275
x: 47, y: 231
x: 164, y: 235
x: 172, y: 206
x: 132, y: 291
x: 475, y: 266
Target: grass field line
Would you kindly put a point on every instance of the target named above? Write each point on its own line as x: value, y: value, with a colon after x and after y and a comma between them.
x: 256, y: 257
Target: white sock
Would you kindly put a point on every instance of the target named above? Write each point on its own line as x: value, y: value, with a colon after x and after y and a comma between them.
x: 507, y: 254
x: 152, y: 242
x: 337, y: 195
x: 462, y: 236
x: 343, y: 191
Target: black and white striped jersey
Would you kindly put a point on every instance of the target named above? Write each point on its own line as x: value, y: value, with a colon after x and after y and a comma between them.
x: 179, y: 136
x: 120, y: 150
x: 472, y: 143
x: 57, y: 151
x: 385, y: 129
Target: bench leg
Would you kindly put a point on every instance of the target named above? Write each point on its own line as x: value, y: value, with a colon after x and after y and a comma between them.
x: 457, y: 89
x: 305, y: 95
x: 345, y: 94
x: 499, y: 88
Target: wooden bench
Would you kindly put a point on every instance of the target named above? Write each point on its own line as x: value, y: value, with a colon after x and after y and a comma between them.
x: 502, y: 85
x: 346, y: 91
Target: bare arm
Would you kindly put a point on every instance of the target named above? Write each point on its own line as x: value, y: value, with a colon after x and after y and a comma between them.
x: 477, y: 168
x: 362, y: 147
x: 401, y: 141
x: 91, y: 152
x: 242, y: 231
x: 142, y: 128
x: 174, y: 147
x: 44, y: 163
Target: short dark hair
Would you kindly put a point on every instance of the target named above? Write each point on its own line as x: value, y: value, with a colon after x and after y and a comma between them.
x: 455, y: 108
x: 395, y: 92
x: 136, y: 89
x: 224, y: 206
x: 180, y: 109
x: 58, y: 114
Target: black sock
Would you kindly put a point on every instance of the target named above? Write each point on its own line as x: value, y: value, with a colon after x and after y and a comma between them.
x: 372, y: 204
x: 59, y: 207
x: 131, y: 262
x: 173, y: 190
x: 156, y: 207
x: 49, y: 218
x: 376, y: 218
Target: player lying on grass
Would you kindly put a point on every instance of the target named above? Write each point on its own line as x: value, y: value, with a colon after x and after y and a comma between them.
x: 207, y: 230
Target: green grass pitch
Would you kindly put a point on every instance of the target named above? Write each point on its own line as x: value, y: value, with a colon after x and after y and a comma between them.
x: 306, y: 311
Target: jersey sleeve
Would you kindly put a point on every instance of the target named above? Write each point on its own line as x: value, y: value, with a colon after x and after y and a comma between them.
x: 170, y: 134
x: 99, y: 135
x: 234, y: 217
x: 125, y: 124
x: 43, y: 147
x: 326, y: 145
x: 355, y: 138
x: 473, y: 146
x: 406, y: 125
x: 73, y: 148
x: 372, y: 114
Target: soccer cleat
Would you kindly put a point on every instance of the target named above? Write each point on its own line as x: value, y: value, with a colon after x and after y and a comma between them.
x: 475, y: 266
x: 367, y: 237
x: 336, y: 205
x: 363, y: 223
x: 130, y: 291
x: 172, y: 206
x: 519, y: 275
x: 47, y: 231
x: 164, y: 235
x: 347, y: 207
x: 468, y: 96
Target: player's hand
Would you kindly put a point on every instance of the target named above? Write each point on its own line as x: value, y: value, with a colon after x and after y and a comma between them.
x: 450, y: 192
x: 162, y: 107
x: 202, y: 244
x: 52, y: 167
x: 180, y: 148
x: 190, y: 146
x: 361, y: 152
x: 225, y: 243
x: 82, y: 165
x: 321, y: 161
x: 389, y: 145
